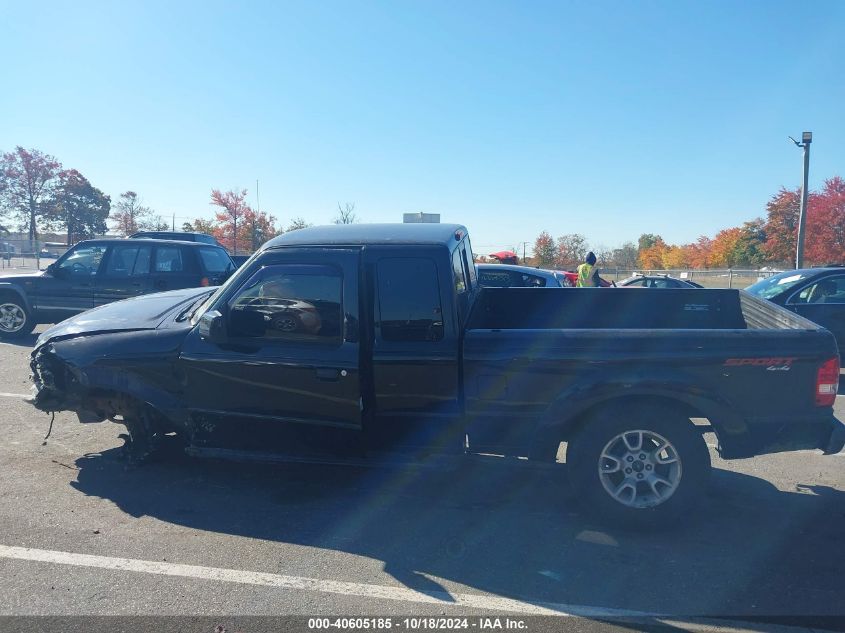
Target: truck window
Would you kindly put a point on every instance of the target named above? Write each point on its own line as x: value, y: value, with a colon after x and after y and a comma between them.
x: 409, y: 300
x: 458, y: 270
x: 469, y: 259
x: 293, y: 303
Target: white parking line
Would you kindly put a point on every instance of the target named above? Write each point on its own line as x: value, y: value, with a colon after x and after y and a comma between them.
x: 379, y: 592
x: 14, y: 395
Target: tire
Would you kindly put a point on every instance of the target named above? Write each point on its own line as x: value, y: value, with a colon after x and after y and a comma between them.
x: 146, y: 439
x: 653, y: 486
x: 15, y: 319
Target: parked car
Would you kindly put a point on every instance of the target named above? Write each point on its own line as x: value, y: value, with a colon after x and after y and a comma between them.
x: 412, y: 357
x: 656, y: 281
x: 96, y: 272
x: 511, y: 276
x: 817, y: 294
x: 182, y: 236
x: 240, y: 260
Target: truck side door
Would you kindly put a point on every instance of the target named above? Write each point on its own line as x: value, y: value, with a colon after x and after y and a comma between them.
x: 415, y: 352
x: 291, y: 360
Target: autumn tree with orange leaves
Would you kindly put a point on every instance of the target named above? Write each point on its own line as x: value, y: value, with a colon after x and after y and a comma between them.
x: 233, y: 208
x: 825, y: 243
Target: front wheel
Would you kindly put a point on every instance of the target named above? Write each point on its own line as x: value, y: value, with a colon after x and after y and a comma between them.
x: 15, y: 319
x: 640, y: 466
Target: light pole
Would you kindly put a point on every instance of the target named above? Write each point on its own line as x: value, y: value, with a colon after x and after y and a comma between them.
x: 806, y: 139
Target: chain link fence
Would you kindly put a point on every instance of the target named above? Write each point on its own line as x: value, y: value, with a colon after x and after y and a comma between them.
x: 721, y: 278
x: 22, y: 254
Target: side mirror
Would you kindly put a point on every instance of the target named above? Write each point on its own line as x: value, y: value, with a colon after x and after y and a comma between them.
x: 51, y: 269
x: 213, y: 327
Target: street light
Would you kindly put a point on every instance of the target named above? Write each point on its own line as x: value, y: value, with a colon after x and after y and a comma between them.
x: 806, y: 139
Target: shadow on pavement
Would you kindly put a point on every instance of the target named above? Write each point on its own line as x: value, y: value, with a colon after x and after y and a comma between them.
x: 750, y: 550
x: 27, y: 340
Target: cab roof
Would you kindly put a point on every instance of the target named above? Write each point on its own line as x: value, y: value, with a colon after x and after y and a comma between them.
x: 362, y: 234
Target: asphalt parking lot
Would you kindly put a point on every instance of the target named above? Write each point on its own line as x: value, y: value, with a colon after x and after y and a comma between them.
x: 80, y: 533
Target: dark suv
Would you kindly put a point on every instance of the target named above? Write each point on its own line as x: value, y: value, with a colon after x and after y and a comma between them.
x: 96, y: 272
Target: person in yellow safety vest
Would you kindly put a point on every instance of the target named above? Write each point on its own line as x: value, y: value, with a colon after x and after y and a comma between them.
x: 588, y: 273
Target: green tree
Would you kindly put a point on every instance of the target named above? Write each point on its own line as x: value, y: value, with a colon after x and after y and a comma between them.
x: 647, y: 240
x: 750, y: 248
x: 625, y: 256
x: 76, y: 206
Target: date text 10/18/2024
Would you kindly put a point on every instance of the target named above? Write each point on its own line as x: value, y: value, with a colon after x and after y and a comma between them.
x: 417, y: 624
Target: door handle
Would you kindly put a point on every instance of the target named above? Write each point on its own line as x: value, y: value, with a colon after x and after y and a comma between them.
x: 330, y: 374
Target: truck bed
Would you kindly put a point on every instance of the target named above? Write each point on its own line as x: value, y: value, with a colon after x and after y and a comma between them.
x: 629, y: 308
x: 746, y: 365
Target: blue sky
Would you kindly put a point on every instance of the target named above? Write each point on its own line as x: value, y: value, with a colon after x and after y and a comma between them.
x: 604, y: 118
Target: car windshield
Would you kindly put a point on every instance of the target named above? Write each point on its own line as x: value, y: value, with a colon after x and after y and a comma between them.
x: 240, y: 273
x: 771, y: 287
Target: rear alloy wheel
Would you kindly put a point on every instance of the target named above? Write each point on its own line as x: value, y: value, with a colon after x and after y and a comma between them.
x: 642, y: 466
x: 14, y: 318
x: 640, y: 469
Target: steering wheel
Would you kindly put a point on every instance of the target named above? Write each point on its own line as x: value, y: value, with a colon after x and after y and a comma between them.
x: 76, y: 267
x: 254, y: 302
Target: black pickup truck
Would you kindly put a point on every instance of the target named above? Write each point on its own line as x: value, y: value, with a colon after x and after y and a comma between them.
x: 345, y: 343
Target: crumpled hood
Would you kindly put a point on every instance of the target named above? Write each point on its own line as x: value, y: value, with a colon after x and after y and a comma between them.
x: 147, y: 312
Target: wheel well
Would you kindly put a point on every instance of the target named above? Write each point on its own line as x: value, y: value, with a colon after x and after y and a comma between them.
x: 546, y: 444
x: 12, y: 294
x: 114, y: 403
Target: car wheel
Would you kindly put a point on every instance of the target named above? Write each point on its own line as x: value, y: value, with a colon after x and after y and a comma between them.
x: 15, y: 319
x: 646, y: 466
x: 286, y: 323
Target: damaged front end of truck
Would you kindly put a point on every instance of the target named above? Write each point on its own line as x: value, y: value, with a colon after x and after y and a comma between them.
x: 60, y: 385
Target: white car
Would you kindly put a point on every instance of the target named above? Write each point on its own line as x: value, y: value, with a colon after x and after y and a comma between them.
x: 511, y: 276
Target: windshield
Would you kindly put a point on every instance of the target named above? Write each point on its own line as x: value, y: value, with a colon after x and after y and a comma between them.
x: 771, y: 287
x: 212, y: 298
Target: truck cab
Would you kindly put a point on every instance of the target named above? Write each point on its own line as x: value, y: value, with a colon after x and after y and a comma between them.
x: 367, y: 326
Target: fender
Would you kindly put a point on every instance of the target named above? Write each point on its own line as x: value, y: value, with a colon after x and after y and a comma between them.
x: 563, y: 416
x: 141, y: 369
x: 6, y: 286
